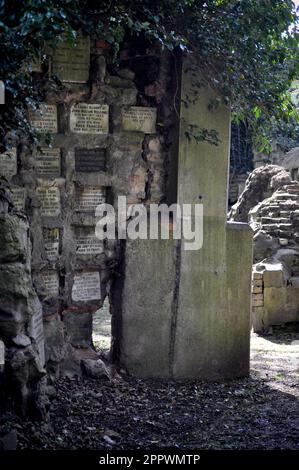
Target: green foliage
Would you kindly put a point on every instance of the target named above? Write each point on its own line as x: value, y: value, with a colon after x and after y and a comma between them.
x: 248, y: 48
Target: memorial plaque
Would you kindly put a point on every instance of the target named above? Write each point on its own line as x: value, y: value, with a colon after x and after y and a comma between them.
x: 88, y: 198
x: 36, y: 331
x: 86, y: 241
x: 51, y: 242
x: 87, y: 286
x: 86, y: 118
x: 36, y: 65
x: 2, y: 353
x: 48, y: 162
x: 19, y: 197
x: 50, y: 281
x: 90, y: 160
x: 70, y: 62
x: 49, y: 197
x: 45, y: 118
x: 8, y: 163
x: 139, y: 119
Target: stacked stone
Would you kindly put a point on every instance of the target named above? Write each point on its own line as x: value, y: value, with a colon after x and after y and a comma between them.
x: 104, y: 144
x: 279, y: 215
x: 275, y: 284
x: 21, y: 328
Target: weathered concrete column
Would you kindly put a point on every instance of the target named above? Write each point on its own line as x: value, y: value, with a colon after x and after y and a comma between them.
x: 186, y: 314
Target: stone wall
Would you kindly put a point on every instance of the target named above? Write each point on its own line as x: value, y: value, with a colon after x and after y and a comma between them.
x: 275, y: 278
x: 110, y: 136
x: 22, y: 359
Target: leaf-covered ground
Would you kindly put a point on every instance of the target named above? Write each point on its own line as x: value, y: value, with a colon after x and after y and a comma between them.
x: 260, y: 412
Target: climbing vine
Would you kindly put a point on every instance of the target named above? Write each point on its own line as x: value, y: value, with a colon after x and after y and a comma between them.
x: 249, y: 49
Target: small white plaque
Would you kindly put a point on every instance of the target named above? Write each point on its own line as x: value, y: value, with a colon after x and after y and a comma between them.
x: 44, y: 119
x: 139, y: 119
x: 86, y: 118
x: 86, y: 286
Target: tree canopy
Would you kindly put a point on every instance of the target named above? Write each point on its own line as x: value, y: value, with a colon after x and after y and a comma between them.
x: 248, y: 47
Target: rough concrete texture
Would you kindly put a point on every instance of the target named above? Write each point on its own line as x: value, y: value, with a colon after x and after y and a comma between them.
x: 199, y: 327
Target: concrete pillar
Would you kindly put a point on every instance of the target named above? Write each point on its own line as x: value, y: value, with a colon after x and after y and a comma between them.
x: 186, y: 314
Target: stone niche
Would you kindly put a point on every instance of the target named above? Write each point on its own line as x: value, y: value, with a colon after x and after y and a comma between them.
x: 89, y: 118
x: 44, y: 120
x: 139, y: 119
x: 70, y: 61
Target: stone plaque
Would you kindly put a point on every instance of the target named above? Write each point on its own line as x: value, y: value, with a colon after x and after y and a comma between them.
x: 8, y: 163
x: 70, y: 62
x: 88, y: 198
x: 48, y: 162
x: 49, y: 197
x: 90, y: 160
x: 86, y: 118
x: 86, y: 241
x: 45, y: 118
x: 19, y: 197
x: 51, y: 242
x: 50, y: 281
x: 2, y: 353
x: 87, y: 286
x: 36, y: 329
x: 36, y: 65
x: 139, y: 119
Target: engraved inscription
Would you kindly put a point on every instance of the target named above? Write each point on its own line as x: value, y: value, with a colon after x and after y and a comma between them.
x: 70, y: 62
x: 49, y: 197
x: 48, y: 162
x: 45, y: 118
x: 86, y: 286
x: 19, y: 197
x: 88, y: 198
x: 139, y: 119
x: 90, y: 160
x: 86, y: 118
x: 51, y: 242
x: 50, y: 281
x: 86, y: 241
x: 8, y: 163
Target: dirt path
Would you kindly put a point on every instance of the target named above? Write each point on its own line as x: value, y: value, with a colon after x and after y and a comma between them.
x: 260, y: 412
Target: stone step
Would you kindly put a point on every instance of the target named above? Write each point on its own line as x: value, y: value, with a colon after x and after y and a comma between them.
x: 275, y: 220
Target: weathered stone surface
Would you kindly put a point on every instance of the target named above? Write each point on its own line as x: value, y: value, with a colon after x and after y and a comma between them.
x: 89, y: 118
x: 49, y: 197
x: 44, y: 120
x: 274, y: 275
x: 78, y: 327
x: 261, y: 183
x: 13, y: 239
x: 8, y: 163
x: 139, y: 119
x: 94, y: 368
x: 54, y: 344
x: 21, y: 340
x: 86, y: 286
x: 48, y: 162
x: 70, y: 62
